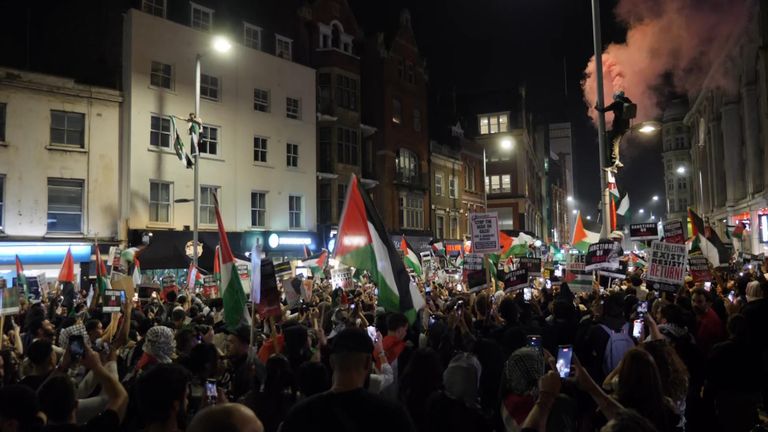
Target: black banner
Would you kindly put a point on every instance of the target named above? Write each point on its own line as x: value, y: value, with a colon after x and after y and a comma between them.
x: 533, y: 265
x: 644, y: 231
x: 515, y: 280
x: 603, y: 255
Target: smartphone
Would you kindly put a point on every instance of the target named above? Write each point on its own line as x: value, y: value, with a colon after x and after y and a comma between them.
x: 707, y: 285
x: 76, y: 347
x: 642, y: 308
x: 534, y: 341
x: 564, y: 355
x: 372, y: 333
x: 427, y: 288
x: 211, y: 391
x: 527, y: 294
x: 731, y: 296
x: 637, y: 329
x: 432, y: 319
x: 548, y: 284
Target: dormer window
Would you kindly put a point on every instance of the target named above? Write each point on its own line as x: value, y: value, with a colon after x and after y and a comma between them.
x: 332, y: 37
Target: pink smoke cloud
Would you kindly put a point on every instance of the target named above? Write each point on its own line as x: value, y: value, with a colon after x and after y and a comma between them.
x: 684, y: 38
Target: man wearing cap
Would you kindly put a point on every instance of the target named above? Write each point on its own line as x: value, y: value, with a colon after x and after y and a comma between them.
x: 348, y: 406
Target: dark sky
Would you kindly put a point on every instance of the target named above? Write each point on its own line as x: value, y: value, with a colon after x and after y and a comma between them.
x: 480, y: 45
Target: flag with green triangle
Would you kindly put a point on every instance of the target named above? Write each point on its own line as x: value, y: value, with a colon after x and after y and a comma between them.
x: 581, y: 237
x: 317, y: 263
x: 410, y: 258
x: 706, y: 240
x: 21, y: 279
x: 233, y: 296
x: 102, y: 277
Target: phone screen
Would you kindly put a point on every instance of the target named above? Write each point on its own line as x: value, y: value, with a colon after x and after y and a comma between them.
x: 534, y: 341
x: 642, y: 307
x: 564, y: 354
x: 76, y: 346
x: 372, y: 333
x: 527, y: 294
x: 637, y: 328
x: 707, y: 286
x: 210, y: 389
x: 731, y: 296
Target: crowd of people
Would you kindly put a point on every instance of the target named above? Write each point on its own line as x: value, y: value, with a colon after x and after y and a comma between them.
x: 483, y: 361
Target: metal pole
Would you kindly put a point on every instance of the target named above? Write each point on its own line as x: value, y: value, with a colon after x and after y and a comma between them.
x: 598, y: 45
x: 485, y: 180
x: 196, y: 156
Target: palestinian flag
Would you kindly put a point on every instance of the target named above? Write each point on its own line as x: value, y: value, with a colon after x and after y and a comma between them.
x: 581, y: 237
x: 235, y: 311
x: 438, y: 249
x: 21, y: 280
x: 738, y: 231
x: 178, y: 146
x: 706, y: 240
x: 521, y: 244
x: 194, y: 278
x: 102, y: 278
x: 410, y: 258
x: 505, y: 241
x: 317, y: 264
x: 363, y: 243
x: 67, y: 272
x: 136, y: 276
x: 623, y: 206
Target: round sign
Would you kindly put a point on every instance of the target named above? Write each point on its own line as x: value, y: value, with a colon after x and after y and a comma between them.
x: 189, y: 249
x: 273, y: 240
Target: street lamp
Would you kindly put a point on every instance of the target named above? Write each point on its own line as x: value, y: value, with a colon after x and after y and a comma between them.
x: 648, y: 128
x: 681, y: 169
x: 221, y: 45
x: 575, y: 211
x: 569, y: 199
x: 641, y: 211
x: 589, y: 217
x: 655, y: 197
x: 506, y: 144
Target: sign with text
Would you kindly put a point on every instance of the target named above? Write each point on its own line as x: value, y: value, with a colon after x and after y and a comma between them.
x: 533, y: 265
x: 666, y: 266
x: 115, y: 261
x: 283, y: 269
x: 644, y: 231
x: 111, y: 301
x: 485, y: 232
x: 674, y: 231
x: 210, y: 286
x: 244, y: 272
x: 699, y: 268
x: 618, y: 273
x: 578, y: 279
x: 9, y: 301
x: 269, y: 304
x: 342, y: 278
x: 603, y: 255
x: 168, y: 282
x: 515, y: 280
x: 474, y: 272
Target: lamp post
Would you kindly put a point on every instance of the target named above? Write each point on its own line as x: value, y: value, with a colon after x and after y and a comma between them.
x: 221, y: 45
x: 598, y: 47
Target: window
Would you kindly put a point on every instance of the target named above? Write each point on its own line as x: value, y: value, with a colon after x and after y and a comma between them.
x: 208, y: 204
x: 499, y: 184
x: 2, y: 122
x: 682, y: 184
x: 469, y: 177
x: 324, y: 200
x: 259, y: 209
x: 294, y: 211
x: 209, y: 142
x: 324, y: 92
x: 292, y: 155
x: 202, y: 17
x: 209, y: 87
x: 397, y: 111
x: 261, y: 100
x: 407, y: 166
x: 346, y: 92
x: 65, y: 205
x: 412, y: 211
x: 452, y: 186
x: 161, y: 75
x: 160, y: 132
x: 2, y: 200
x: 494, y: 123
x: 154, y: 7
x: 506, y: 183
x: 347, y: 146
x: 283, y: 47
x: 67, y: 128
x: 410, y: 76
x: 438, y: 183
x: 440, y: 226
x: 251, y: 36
x: 260, y: 149
x: 417, y: 120
x: 292, y: 108
x: 341, y: 188
x: 159, y: 202
x: 454, y: 227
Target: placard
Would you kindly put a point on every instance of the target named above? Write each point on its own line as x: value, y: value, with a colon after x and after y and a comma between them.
x: 111, y: 301
x: 34, y: 283
x: 474, y: 272
x: 342, y: 278
x: 168, y: 282
x: 533, y: 265
x: 644, y: 231
x: 9, y: 301
x: 485, y: 232
x: 115, y: 261
x: 245, y: 277
x: 270, y: 296
x: 515, y: 280
x: 283, y: 269
x: 674, y: 232
x: 578, y: 279
x: 603, y: 255
x: 618, y: 273
x: 699, y: 268
x: 210, y: 286
x: 666, y: 266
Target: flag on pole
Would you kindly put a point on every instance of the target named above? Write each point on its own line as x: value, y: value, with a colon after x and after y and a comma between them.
x: 136, y: 276
x: 738, y: 231
x: 102, y: 278
x: 581, y: 237
x: 623, y: 206
x: 307, y: 252
x: 235, y: 311
x: 178, y: 146
x: 706, y: 240
x: 438, y: 249
x: 67, y: 272
x: 256, y: 274
x: 194, y: 278
x: 21, y: 280
x: 317, y: 263
x: 363, y: 243
x: 409, y: 257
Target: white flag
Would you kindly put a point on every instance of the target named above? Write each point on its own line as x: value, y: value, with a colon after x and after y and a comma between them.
x: 255, y: 274
x: 623, y: 206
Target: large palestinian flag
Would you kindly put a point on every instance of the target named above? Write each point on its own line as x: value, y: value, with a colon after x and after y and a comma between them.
x: 409, y: 257
x: 233, y: 296
x: 581, y: 237
x: 707, y: 241
x: 363, y: 243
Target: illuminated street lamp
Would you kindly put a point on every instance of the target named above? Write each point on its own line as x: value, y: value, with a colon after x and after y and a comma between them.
x: 655, y: 197
x: 569, y: 199
x: 641, y: 211
x: 680, y: 170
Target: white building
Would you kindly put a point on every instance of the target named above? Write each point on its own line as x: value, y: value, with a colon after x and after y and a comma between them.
x: 258, y: 111
x: 59, y: 146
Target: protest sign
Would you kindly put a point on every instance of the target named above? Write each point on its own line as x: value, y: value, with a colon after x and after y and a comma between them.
x: 111, y: 301
x: 245, y: 277
x: 579, y: 280
x: 673, y: 231
x: 270, y: 296
x: 123, y: 283
x: 666, y: 266
x: 114, y: 260
x: 515, y: 280
x: 168, y: 282
x: 210, y: 287
x: 9, y: 300
x: 485, y: 232
x: 618, y: 273
x: 644, y: 231
x: 603, y: 255
x: 699, y: 268
x: 474, y: 272
x: 283, y: 269
x: 292, y: 291
x: 34, y: 283
x: 342, y: 278
x: 533, y: 265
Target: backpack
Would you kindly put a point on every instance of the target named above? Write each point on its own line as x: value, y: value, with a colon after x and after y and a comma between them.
x: 618, y: 344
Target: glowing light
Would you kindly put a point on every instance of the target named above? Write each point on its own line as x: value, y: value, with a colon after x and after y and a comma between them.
x: 569, y: 199
x: 506, y: 144
x: 221, y: 44
x: 680, y: 169
x: 655, y: 197
x: 354, y: 240
x: 641, y: 211
x: 648, y: 128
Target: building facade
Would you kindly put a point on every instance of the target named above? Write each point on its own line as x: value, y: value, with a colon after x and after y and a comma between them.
x: 258, y: 146
x: 446, y: 192
x: 395, y: 92
x: 473, y: 196
x: 676, y: 158
x: 59, y: 143
x: 728, y: 141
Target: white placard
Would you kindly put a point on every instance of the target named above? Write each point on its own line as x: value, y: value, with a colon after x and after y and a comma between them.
x: 485, y: 232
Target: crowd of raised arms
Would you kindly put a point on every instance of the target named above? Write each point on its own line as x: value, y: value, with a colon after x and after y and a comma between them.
x: 484, y: 361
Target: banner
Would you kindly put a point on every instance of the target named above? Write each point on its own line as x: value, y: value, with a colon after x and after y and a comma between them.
x: 666, y: 266
x: 515, y: 280
x: 533, y: 265
x: 674, y: 232
x: 474, y: 272
x: 603, y: 255
x: 485, y: 232
x: 644, y: 231
x: 111, y: 301
x: 699, y: 268
x: 9, y: 300
x: 270, y: 296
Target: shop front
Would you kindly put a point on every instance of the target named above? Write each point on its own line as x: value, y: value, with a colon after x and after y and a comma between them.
x: 288, y: 245
x: 44, y: 258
